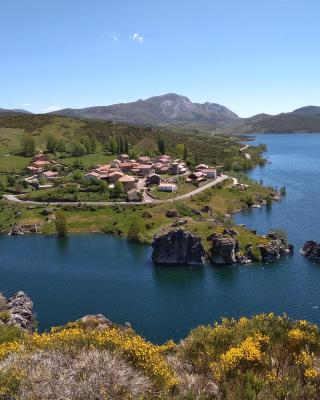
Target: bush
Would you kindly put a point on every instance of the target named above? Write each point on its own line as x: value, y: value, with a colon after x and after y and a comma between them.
x: 61, y: 224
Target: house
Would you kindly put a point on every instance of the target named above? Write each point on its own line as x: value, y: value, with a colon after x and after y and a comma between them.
x: 128, y: 182
x: 34, y: 170
x: 92, y: 175
x: 40, y: 157
x: 40, y: 165
x: 210, y: 173
x: 175, y: 168
x: 144, y: 160
x: 134, y: 195
x: 50, y: 174
x: 167, y: 187
x: 125, y: 166
x: 161, y: 168
x: 115, y: 176
x: 200, y: 167
x: 124, y: 158
x: 145, y: 169
x: 153, y: 179
x: 164, y: 159
x: 196, y: 177
x: 103, y: 168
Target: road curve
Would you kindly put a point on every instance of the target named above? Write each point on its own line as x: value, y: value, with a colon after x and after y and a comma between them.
x: 14, y: 198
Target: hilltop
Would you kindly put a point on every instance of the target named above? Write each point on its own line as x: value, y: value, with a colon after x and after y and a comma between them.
x: 179, y: 113
x: 169, y: 108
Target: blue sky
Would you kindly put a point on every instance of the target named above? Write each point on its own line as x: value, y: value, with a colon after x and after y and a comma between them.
x: 251, y: 55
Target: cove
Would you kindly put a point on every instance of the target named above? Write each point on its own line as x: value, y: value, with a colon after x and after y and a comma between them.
x: 96, y: 273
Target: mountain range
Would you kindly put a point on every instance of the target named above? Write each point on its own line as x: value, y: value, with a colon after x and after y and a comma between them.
x: 174, y: 110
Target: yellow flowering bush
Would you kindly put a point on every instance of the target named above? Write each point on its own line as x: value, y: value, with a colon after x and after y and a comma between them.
x: 144, y: 355
x: 250, y: 350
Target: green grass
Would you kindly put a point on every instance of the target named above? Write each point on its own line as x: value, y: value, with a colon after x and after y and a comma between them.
x: 88, y: 160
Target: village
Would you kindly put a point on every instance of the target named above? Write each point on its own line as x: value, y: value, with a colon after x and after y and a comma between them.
x: 139, y: 180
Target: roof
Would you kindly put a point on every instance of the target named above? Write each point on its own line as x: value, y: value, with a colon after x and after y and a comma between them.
x: 201, y: 166
x: 40, y: 163
x: 126, y: 178
x: 50, y: 173
x: 144, y: 166
x: 198, y: 174
x: 167, y: 185
x: 209, y: 170
x: 125, y: 164
x: 94, y: 174
x: 104, y: 167
x: 115, y: 173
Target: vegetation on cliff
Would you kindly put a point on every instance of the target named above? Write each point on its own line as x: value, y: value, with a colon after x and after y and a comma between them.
x: 263, y: 357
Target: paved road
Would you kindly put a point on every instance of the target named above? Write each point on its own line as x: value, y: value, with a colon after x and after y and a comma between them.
x: 13, y: 198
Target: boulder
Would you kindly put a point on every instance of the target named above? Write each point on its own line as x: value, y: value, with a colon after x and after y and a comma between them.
x: 274, y: 249
x: 178, y: 247
x: 206, y: 209
x: 172, y: 214
x: 180, y: 222
x: 23, y: 229
x: 311, y: 250
x: 20, y: 309
x: 224, y: 249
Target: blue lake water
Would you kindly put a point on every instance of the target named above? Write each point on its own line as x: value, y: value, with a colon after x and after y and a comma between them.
x: 101, y: 274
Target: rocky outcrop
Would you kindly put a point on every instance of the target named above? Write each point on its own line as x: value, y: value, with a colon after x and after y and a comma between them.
x: 178, y: 247
x: 20, y: 311
x: 311, y: 250
x: 24, y: 229
x: 172, y: 214
x: 224, y: 249
x: 275, y: 248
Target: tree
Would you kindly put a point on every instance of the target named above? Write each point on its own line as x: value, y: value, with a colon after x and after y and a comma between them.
x: 103, y: 186
x: 52, y: 143
x: 180, y: 149
x: 78, y: 149
x: 61, y: 224
x: 134, y: 231
x: 27, y: 146
x: 126, y: 145
x: 113, y: 146
x: 162, y: 145
x: 185, y: 152
x: 61, y: 146
x: 118, y: 190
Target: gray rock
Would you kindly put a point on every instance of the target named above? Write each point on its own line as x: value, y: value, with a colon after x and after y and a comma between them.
x: 274, y: 250
x: 172, y: 214
x: 178, y: 247
x: 224, y: 250
x: 311, y: 250
x: 20, y: 308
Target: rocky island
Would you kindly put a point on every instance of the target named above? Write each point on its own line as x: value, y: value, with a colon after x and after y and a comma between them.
x: 179, y: 246
x: 311, y: 250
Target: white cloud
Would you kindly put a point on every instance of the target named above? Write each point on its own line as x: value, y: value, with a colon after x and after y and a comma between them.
x: 26, y: 104
x: 114, y: 36
x: 51, y: 109
x: 137, y: 38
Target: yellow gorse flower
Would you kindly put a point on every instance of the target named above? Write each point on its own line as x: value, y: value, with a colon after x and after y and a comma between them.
x: 249, y: 350
x: 144, y: 355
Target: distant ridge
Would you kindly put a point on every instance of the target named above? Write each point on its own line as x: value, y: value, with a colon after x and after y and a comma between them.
x: 4, y: 111
x: 159, y: 110
x: 174, y: 110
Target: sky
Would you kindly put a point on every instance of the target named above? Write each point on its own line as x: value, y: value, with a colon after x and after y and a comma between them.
x: 252, y: 56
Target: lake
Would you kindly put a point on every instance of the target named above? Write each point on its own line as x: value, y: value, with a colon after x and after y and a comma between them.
x: 93, y: 273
